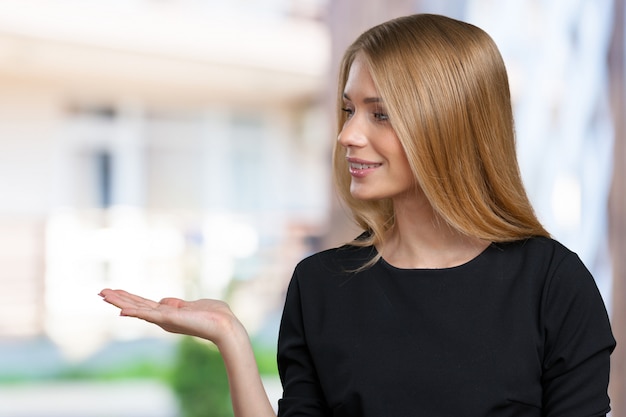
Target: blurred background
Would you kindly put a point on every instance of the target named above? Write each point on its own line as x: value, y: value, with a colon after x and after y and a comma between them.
x: 182, y: 148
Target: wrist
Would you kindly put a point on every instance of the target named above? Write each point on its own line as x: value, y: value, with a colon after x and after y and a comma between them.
x: 233, y: 333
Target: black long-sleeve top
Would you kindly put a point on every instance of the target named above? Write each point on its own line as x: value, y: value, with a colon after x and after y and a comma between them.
x: 520, y: 330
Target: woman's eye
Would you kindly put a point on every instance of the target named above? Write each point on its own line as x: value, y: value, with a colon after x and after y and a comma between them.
x: 381, y: 117
x: 349, y: 112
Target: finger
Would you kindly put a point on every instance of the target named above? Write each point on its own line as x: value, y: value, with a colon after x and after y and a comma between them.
x: 105, y: 292
x: 123, y: 299
x: 147, y: 314
x: 154, y: 316
x: 140, y: 301
x: 173, y: 302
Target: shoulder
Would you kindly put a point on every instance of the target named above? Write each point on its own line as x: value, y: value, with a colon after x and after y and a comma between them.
x: 543, y: 266
x: 336, y: 261
x: 542, y: 246
x: 317, y: 277
x: 559, y: 273
x: 539, y: 254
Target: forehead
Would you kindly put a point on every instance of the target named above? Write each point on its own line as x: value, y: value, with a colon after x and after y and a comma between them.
x: 359, y: 81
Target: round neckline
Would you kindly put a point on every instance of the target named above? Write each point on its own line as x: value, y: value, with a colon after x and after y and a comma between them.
x: 468, y: 263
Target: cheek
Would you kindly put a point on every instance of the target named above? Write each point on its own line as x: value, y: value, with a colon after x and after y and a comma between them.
x: 404, y: 165
x: 398, y: 153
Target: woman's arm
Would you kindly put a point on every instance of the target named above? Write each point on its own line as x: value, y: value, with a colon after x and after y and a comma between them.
x: 578, y: 343
x: 211, y: 320
x: 302, y: 392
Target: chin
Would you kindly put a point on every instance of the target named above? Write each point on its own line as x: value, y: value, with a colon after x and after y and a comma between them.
x: 364, y: 196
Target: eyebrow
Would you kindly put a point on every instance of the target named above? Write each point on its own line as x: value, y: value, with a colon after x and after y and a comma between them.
x: 366, y: 100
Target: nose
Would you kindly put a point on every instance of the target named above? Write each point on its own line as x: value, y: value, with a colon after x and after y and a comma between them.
x: 352, y: 134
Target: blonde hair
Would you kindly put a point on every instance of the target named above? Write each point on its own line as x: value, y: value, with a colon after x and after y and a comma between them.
x: 445, y: 88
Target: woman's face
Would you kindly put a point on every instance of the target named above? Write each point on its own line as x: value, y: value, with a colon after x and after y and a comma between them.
x: 377, y: 162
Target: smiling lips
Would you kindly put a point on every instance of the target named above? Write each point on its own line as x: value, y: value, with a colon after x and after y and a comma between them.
x: 360, y: 169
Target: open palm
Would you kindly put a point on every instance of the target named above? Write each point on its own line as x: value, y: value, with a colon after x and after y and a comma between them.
x: 205, y: 318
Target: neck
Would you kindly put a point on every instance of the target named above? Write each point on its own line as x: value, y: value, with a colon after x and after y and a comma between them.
x: 421, y: 239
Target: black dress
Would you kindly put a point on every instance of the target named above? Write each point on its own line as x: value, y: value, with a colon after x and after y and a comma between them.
x: 520, y: 330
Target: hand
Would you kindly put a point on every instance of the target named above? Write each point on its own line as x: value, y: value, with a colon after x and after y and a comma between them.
x: 209, y: 319
x: 212, y: 320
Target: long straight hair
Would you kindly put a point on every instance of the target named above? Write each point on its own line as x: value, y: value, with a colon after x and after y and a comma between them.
x: 446, y: 90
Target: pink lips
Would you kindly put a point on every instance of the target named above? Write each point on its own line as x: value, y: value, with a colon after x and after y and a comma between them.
x: 360, y: 168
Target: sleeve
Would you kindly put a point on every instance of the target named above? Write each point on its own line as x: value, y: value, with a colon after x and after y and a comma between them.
x: 302, y: 393
x: 577, y: 344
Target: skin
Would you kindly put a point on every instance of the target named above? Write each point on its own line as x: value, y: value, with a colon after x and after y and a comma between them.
x: 379, y: 169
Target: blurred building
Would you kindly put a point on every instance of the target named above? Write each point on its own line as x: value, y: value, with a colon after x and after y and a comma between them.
x: 164, y: 147
x: 175, y: 147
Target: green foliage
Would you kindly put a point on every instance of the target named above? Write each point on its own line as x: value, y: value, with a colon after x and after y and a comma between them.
x: 148, y: 369
x: 266, y: 361
x: 199, y: 380
x: 139, y: 369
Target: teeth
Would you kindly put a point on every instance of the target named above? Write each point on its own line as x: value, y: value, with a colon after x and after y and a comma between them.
x: 363, y: 166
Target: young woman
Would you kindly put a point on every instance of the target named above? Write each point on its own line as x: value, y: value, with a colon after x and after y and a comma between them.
x: 454, y: 301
